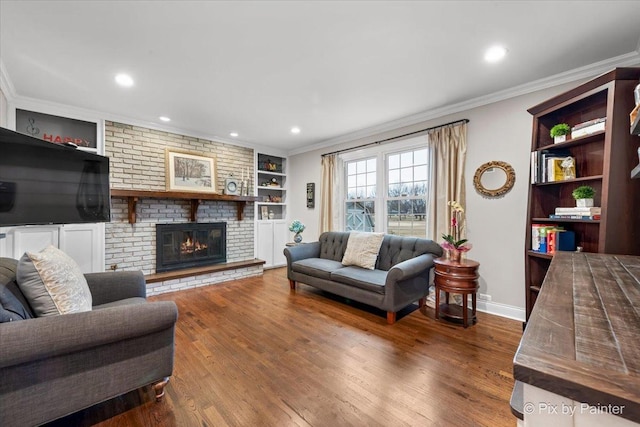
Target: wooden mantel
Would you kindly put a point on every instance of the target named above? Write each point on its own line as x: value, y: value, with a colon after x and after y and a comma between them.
x: 195, y: 198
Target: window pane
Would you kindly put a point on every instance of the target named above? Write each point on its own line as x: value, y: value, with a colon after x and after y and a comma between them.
x: 394, y: 176
x: 351, y: 181
x: 420, y: 157
x: 420, y: 188
x: 371, y: 191
x: 407, y: 190
x: 406, y: 174
x: 361, y: 180
x: 406, y: 159
x: 371, y: 178
x: 361, y: 166
x: 351, y: 194
x: 351, y: 168
x: 394, y: 161
x: 420, y: 173
x: 371, y: 165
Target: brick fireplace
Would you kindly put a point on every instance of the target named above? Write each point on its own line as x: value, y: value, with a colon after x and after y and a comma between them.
x: 186, y: 245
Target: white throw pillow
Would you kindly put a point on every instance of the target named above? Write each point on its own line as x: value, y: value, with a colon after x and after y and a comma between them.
x: 362, y: 249
x: 53, y: 283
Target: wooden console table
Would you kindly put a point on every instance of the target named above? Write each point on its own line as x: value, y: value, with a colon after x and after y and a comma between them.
x: 580, y: 351
x: 458, y: 277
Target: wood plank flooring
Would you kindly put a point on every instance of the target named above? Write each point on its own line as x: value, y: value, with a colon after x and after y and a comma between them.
x: 253, y: 353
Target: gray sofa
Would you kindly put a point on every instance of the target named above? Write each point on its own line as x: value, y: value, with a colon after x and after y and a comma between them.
x: 56, y: 365
x: 401, y: 275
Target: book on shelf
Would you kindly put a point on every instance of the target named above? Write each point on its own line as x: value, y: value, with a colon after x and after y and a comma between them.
x: 540, y: 163
x: 588, y: 127
x: 575, y: 216
x: 558, y: 170
x: 578, y: 211
x: 549, y: 238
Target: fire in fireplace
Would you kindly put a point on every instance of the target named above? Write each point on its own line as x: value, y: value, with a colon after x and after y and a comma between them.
x: 188, y: 245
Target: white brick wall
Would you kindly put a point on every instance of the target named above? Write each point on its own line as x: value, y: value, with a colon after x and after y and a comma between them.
x: 137, y: 161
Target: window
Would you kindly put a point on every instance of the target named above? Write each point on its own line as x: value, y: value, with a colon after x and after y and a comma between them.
x: 386, y: 191
x: 407, y: 174
x: 361, y: 192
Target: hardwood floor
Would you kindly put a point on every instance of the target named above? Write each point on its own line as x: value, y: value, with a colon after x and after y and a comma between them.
x: 252, y: 353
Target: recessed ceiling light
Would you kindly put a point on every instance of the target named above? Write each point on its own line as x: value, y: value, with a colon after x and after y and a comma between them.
x: 495, y: 53
x: 295, y: 130
x: 124, y: 80
x: 233, y: 134
x: 164, y: 118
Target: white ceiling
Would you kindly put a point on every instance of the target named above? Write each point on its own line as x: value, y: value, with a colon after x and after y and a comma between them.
x: 332, y: 68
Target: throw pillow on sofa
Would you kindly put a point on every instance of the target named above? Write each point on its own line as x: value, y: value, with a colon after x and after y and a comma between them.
x: 53, y: 283
x: 362, y: 249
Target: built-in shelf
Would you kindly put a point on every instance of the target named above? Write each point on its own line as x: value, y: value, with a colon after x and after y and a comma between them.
x: 588, y: 221
x: 188, y: 272
x: 133, y: 196
x: 540, y: 254
x: 264, y: 172
x: 587, y: 139
x: 566, y: 181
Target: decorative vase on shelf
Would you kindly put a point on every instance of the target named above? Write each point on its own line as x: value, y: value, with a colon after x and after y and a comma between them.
x: 584, y: 203
x: 297, y: 238
x: 455, y: 255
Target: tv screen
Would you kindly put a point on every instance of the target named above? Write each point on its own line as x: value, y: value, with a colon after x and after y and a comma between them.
x: 46, y: 183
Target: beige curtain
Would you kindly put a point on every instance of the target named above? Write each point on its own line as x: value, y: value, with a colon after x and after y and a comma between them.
x: 328, y: 207
x: 449, y: 150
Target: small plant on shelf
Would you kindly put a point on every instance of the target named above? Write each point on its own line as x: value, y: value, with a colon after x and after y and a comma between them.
x: 559, y: 132
x: 584, y: 196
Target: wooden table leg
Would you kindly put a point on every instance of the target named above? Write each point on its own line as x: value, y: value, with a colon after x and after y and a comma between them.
x: 437, y: 303
x: 465, y: 319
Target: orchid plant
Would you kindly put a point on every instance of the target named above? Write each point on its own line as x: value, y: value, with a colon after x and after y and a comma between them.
x: 453, y: 240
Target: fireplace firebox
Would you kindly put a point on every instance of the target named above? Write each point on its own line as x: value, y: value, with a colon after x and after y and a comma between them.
x: 187, y: 245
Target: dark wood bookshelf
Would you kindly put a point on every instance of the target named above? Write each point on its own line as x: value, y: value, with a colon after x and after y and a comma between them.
x: 603, y: 160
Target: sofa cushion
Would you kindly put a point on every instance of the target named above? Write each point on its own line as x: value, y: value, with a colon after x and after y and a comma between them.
x: 370, y: 280
x: 13, y: 306
x: 316, y: 267
x: 362, y: 249
x: 121, y: 302
x: 53, y: 283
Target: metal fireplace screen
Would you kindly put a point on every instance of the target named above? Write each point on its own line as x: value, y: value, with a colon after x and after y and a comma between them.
x: 189, y: 245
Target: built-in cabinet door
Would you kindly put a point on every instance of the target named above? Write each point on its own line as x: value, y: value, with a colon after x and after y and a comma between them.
x: 272, y: 237
x: 82, y: 242
x: 280, y: 235
x: 85, y: 244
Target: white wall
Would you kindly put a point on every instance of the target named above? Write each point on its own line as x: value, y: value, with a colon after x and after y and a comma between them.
x: 495, y: 227
x: 4, y: 110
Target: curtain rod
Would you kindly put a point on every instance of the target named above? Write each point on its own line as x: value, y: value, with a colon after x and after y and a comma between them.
x: 396, y: 137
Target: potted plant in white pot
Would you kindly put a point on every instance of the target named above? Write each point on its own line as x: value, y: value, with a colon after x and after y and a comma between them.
x: 559, y: 132
x: 584, y: 196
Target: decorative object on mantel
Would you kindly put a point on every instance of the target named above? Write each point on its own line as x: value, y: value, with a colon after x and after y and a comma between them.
x: 297, y: 227
x: 584, y: 196
x: 187, y: 171
x: 559, y: 132
x: 231, y: 186
x: 453, y: 243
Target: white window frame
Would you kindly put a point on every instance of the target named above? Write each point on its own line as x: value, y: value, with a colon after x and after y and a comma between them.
x: 381, y: 153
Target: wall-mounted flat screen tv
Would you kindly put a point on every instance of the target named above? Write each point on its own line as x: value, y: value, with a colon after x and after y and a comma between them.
x: 46, y: 183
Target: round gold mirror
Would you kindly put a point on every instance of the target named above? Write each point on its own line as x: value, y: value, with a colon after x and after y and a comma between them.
x: 494, y: 179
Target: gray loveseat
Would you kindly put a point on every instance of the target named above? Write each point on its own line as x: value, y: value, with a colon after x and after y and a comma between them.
x: 401, y: 275
x: 56, y: 365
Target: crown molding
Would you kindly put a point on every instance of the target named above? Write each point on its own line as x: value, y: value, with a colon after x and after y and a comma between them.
x: 6, y: 85
x: 591, y: 70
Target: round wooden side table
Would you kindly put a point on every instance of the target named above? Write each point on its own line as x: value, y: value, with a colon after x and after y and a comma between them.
x: 457, y: 277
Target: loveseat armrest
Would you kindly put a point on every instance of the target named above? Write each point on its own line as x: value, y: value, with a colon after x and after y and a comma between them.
x: 31, y: 340
x: 304, y: 251
x: 116, y: 285
x: 410, y: 268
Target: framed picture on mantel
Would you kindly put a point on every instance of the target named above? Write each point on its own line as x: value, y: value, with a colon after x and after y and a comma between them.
x: 187, y: 171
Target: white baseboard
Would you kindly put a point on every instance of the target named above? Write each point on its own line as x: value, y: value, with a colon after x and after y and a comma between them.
x: 504, y: 310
